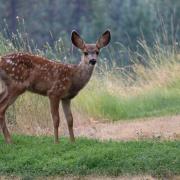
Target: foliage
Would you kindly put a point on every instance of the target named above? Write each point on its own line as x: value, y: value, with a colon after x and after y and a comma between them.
x: 129, y: 20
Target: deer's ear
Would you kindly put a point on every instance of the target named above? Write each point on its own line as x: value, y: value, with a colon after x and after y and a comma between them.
x: 77, y: 40
x: 104, y: 39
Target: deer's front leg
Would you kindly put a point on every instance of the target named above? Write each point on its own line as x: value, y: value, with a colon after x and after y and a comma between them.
x: 66, y: 104
x: 54, y: 103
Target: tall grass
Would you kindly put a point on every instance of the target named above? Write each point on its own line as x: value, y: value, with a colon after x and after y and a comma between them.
x: 148, y: 87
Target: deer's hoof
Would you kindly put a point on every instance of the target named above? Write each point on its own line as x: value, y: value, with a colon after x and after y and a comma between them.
x: 72, y: 140
x: 56, y: 142
x: 9, y: 141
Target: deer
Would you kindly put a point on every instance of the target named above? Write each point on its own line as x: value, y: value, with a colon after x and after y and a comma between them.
x: 22, y: 71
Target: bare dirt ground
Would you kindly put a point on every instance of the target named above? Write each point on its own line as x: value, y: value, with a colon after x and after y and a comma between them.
x: 147, y: 128
x: 161, y: 128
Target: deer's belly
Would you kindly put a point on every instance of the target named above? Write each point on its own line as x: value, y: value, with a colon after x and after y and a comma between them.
x: 39, y: 88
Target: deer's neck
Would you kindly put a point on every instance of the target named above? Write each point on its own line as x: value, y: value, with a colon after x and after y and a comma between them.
x: 81, y: 76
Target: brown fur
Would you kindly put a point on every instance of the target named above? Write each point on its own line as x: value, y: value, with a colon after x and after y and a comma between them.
x: 22, y: 71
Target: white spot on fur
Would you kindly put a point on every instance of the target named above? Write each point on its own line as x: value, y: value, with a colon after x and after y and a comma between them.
x: 9, y: 61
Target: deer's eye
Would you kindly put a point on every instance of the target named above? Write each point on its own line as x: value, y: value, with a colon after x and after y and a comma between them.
x: 97, y: 52
x: 85, y: 53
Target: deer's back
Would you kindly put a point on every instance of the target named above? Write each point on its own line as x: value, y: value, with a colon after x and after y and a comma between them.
x: 36, y: 73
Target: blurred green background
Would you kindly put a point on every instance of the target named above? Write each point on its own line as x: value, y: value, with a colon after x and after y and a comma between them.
x: 129, y: 20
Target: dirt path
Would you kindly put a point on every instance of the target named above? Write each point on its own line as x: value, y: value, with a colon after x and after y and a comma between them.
x: 161, y: 128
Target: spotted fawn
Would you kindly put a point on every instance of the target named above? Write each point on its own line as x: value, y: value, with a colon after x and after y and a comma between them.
x: 60, y: 82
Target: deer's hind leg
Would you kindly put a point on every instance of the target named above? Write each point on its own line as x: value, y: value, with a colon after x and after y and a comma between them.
x: 3, y: 106
x: 4, y: 128
x: 6, y: 99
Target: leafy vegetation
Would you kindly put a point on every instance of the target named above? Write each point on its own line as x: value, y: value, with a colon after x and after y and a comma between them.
x: 38, y: 156
x: 129, y: 20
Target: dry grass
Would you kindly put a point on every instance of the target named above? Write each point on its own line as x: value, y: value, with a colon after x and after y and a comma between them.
x: 141, y: 78
x: 31, y: 113
x: 112, y: 92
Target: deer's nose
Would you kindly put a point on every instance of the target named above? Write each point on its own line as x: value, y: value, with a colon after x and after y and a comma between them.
x: 92, y: 61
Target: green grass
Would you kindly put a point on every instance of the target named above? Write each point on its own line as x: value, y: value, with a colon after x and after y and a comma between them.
x: 38, y: 156
x: 156, y: 102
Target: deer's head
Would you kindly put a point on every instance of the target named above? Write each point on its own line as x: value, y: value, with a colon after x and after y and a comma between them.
x: 90, y: 51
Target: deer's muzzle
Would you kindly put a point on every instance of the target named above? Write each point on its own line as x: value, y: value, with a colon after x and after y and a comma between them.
x: 92, y: 61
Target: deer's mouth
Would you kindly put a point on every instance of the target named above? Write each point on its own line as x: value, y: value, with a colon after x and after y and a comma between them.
x: 92, y: 62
